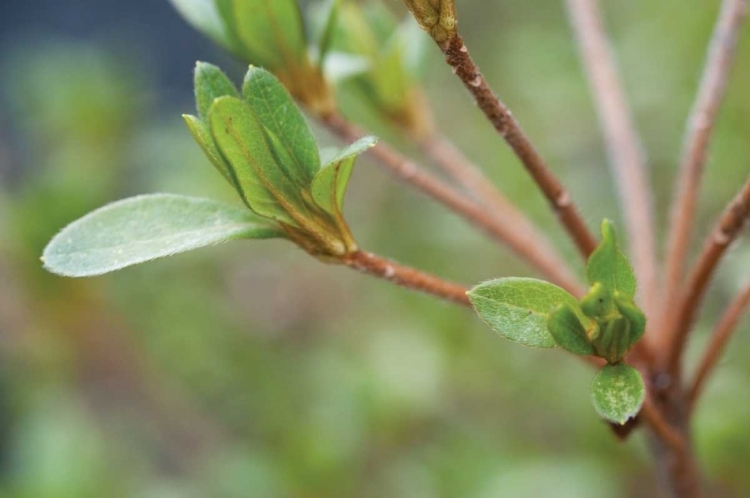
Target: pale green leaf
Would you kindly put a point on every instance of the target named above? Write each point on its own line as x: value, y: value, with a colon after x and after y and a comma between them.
x: 264, y: 184
x: 147, y: 227
x: 329, y: 185
x: 568, y: 331
x: 292, y: 140
x: 617, y: 392
x: 210, y: 84
x: 517, y: 308
x: 272, y: 31
x: 202, y: 136
x: 608, y: 265
x: 204, y: 16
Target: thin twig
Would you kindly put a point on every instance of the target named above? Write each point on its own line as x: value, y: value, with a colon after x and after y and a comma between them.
x: 700, y: 124
x: 457, y: 56
x: 656, y: 421
x: 424, y: 181
x: 719, y: 339
x: 405, y: 276
x: 681, y: 315
x: 625, y: 151
x: 525, y: 233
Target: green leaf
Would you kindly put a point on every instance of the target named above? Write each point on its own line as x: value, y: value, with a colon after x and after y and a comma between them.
x: 617, y: 392
x: 329, y: 29
x: 292, y: 141
x: 264, y: 184
x: 608, y: 265
x: 568, y: 331
x: 517, y: 308
x: 329, y: 185
x: 202, y: 136
x: 204, y: 16
x: 635, y: 317
x: 147, y: 227
x: 210, y: 84
x: 272, y: 31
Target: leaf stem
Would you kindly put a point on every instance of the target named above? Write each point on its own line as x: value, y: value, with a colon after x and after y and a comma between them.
x: 423, y: 180
x: 525, y: 238
x: 624, y: 148
x: 681, y: 316
x: 720, y: 336
x: 405, y: 276
x: 458, y: 58
x: 699, y: 127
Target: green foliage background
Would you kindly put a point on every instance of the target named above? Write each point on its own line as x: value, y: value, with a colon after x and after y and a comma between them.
x: 251, y: 369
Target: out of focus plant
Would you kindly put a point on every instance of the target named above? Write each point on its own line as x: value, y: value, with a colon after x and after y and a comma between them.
x: 260, y: 143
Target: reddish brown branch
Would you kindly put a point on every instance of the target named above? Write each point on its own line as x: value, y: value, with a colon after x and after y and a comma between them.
x: 682, y: 315
x: 625, y: 151
x: 719, y: 339
x: 661, y: 427
x: 457, y: 56
x: 701, y: 122
x: 476, y: 214
x: 525, y: 233
x: 407, y: 277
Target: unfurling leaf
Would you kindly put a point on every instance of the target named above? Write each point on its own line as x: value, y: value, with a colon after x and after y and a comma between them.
x: 568, y: 331
x: 617, y: 392
x: 608, y: 265
x: 147, y: 227
x: 517, y: 308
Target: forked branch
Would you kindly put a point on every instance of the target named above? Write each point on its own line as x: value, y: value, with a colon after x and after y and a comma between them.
x: 698, y: 135
x: 476, y: 214
x: 625, y: 152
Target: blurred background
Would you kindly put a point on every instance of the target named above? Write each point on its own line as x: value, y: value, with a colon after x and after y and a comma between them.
x: 252, y: 370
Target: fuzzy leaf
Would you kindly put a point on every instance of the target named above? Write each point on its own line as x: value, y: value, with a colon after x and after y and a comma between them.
x: 204, y: 16
x: 517, y: 308
x: 568, y: 331
x: 147, y: 227
x: 272, y: 31
x: 617, y: 392
x: 264, y: 184
x: 292, y: 141
x: 329, y: 185
x: 210, y: 84
x: 608, y: 265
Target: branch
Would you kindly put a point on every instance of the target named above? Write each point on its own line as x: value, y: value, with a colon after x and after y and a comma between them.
x: 683, y: 313
x: 405, y: 276
x: 661, y: 427
x: 623, y: 145
x: 697, y: 137
x: 525, y: 234
x: 424, y: 181
x: 457, y: 56
x: 719, y: 339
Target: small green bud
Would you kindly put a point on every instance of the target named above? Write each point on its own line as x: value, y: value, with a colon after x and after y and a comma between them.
x: 568, y: 331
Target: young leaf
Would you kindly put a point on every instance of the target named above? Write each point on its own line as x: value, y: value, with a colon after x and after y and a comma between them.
x: 568, y: 331
x: 517, y: 308
x: 634, y: 316
x: 265, y: 186
x: 329, y: 185
x: 210, y: 84
x: 204, y: 16
x: 202, y: 135
x: 272, y: 31
x: 282, y: 119
x: 608, y: 265
x: 617, y: 392
x: 147, y: 227
x: 329, y: 29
